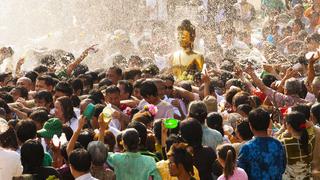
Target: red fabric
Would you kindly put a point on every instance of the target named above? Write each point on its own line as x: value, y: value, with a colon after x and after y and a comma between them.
x: 260, y: 94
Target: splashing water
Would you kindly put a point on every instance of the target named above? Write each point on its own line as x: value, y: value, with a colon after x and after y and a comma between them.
x: 34, y: 28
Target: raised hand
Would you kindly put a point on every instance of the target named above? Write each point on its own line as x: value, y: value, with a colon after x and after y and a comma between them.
x: 82, y: 122
x: 90, y: 49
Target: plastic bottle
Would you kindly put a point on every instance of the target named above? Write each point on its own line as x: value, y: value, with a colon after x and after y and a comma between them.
x: 107, y: 113
x: 63, y: 138
x: 55, y: 140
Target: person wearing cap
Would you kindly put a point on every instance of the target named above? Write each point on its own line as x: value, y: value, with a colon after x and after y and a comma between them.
x: 52, y: 127
x: 10, y: 163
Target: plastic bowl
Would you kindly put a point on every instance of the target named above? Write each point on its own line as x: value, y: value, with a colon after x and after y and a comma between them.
x: 171, y: 123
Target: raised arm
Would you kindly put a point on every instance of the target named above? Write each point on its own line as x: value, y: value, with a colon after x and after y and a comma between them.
x: 311, y: 72
x: 75, y: 135
x: 75, y: 63
x: 255, y: 79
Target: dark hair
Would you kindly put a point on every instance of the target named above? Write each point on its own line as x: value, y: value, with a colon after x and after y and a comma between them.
x: 302, y: 108
x: 268, y: 79
x: 48, y: 80
x: 64, y: 87
x: 80, y: 69
x: 303, y: 91
x: 32, y: 155
x: 44, y: 95
x: 112, y: 89
x: 8, y: 139
x: 231, y: 93
x: 148, y: 88
x: 181, y: 155
x: 228, y: 154
x: 128, y: 88
x: 144, y: 117
x: 259, y: 119
x: 255, y: 101
x: 80, y: 160
x: 40, y: 115
x: 246, y: 108
x: 186, y: 85
x: 131, y: 74
x: 67, y: 130
x: 244, y: 130
x: 235, y: 82
x: 67, y: 107
x: 8, y: 98
x: 110, y: 140
x: 187, y: 26
x: 105, y: 82
x: 137, y: 84
x: 41, y: 69
x: 85, y: 137
x: 315, y: 110
x: 94, y: 76
x: 198, y: 110
x: 168, y: 77
x: 77, y: 85
x: 75, y: 101
x: 96, y: 96
x: 117, y: 69
x: 26, y: 129
x: 32, y: 75
x: 63, y: 150
x: 22, y: 91
x: 98, y: 109
x: 131, y: 139
x: 215, y: 121
x: 173, y: 138
x: 240, y: 98
x: 142, y: 130
x: 5, y: 106
x: 86, y: 80
x: 191, y: 131
x: 297, y: 121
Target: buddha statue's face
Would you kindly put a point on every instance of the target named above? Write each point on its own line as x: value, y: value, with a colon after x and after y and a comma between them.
x: 184, y: 38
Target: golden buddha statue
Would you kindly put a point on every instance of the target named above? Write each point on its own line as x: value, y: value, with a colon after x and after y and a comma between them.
x: 186, y: 61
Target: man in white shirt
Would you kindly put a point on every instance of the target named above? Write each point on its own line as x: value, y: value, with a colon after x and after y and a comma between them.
x: 10, y: 164
x: 149, y: 92
x: 80, y: 163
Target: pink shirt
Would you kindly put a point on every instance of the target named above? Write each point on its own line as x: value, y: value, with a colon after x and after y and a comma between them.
x: 238, y: 174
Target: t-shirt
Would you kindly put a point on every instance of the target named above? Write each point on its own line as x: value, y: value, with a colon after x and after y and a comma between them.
x: 238, y: 174
x: 263, y: 158
x: 211, y: 137
x: 133, y: 166
x: 10, y: 164
x: 165, y: 110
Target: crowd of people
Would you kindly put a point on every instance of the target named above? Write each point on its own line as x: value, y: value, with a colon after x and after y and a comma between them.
x: 235, y: 118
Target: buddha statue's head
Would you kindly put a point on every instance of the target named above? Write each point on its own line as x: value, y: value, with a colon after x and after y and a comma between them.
x: 186, y: 34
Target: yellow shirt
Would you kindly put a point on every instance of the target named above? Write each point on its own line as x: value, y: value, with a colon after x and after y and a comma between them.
x: 163, y: 168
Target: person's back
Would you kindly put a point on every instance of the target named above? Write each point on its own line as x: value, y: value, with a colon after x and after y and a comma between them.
x: 45, y: 172
x: 211, y: 137
x: 10, y: 164
x: 132, y: 166
x: 262, y: 158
